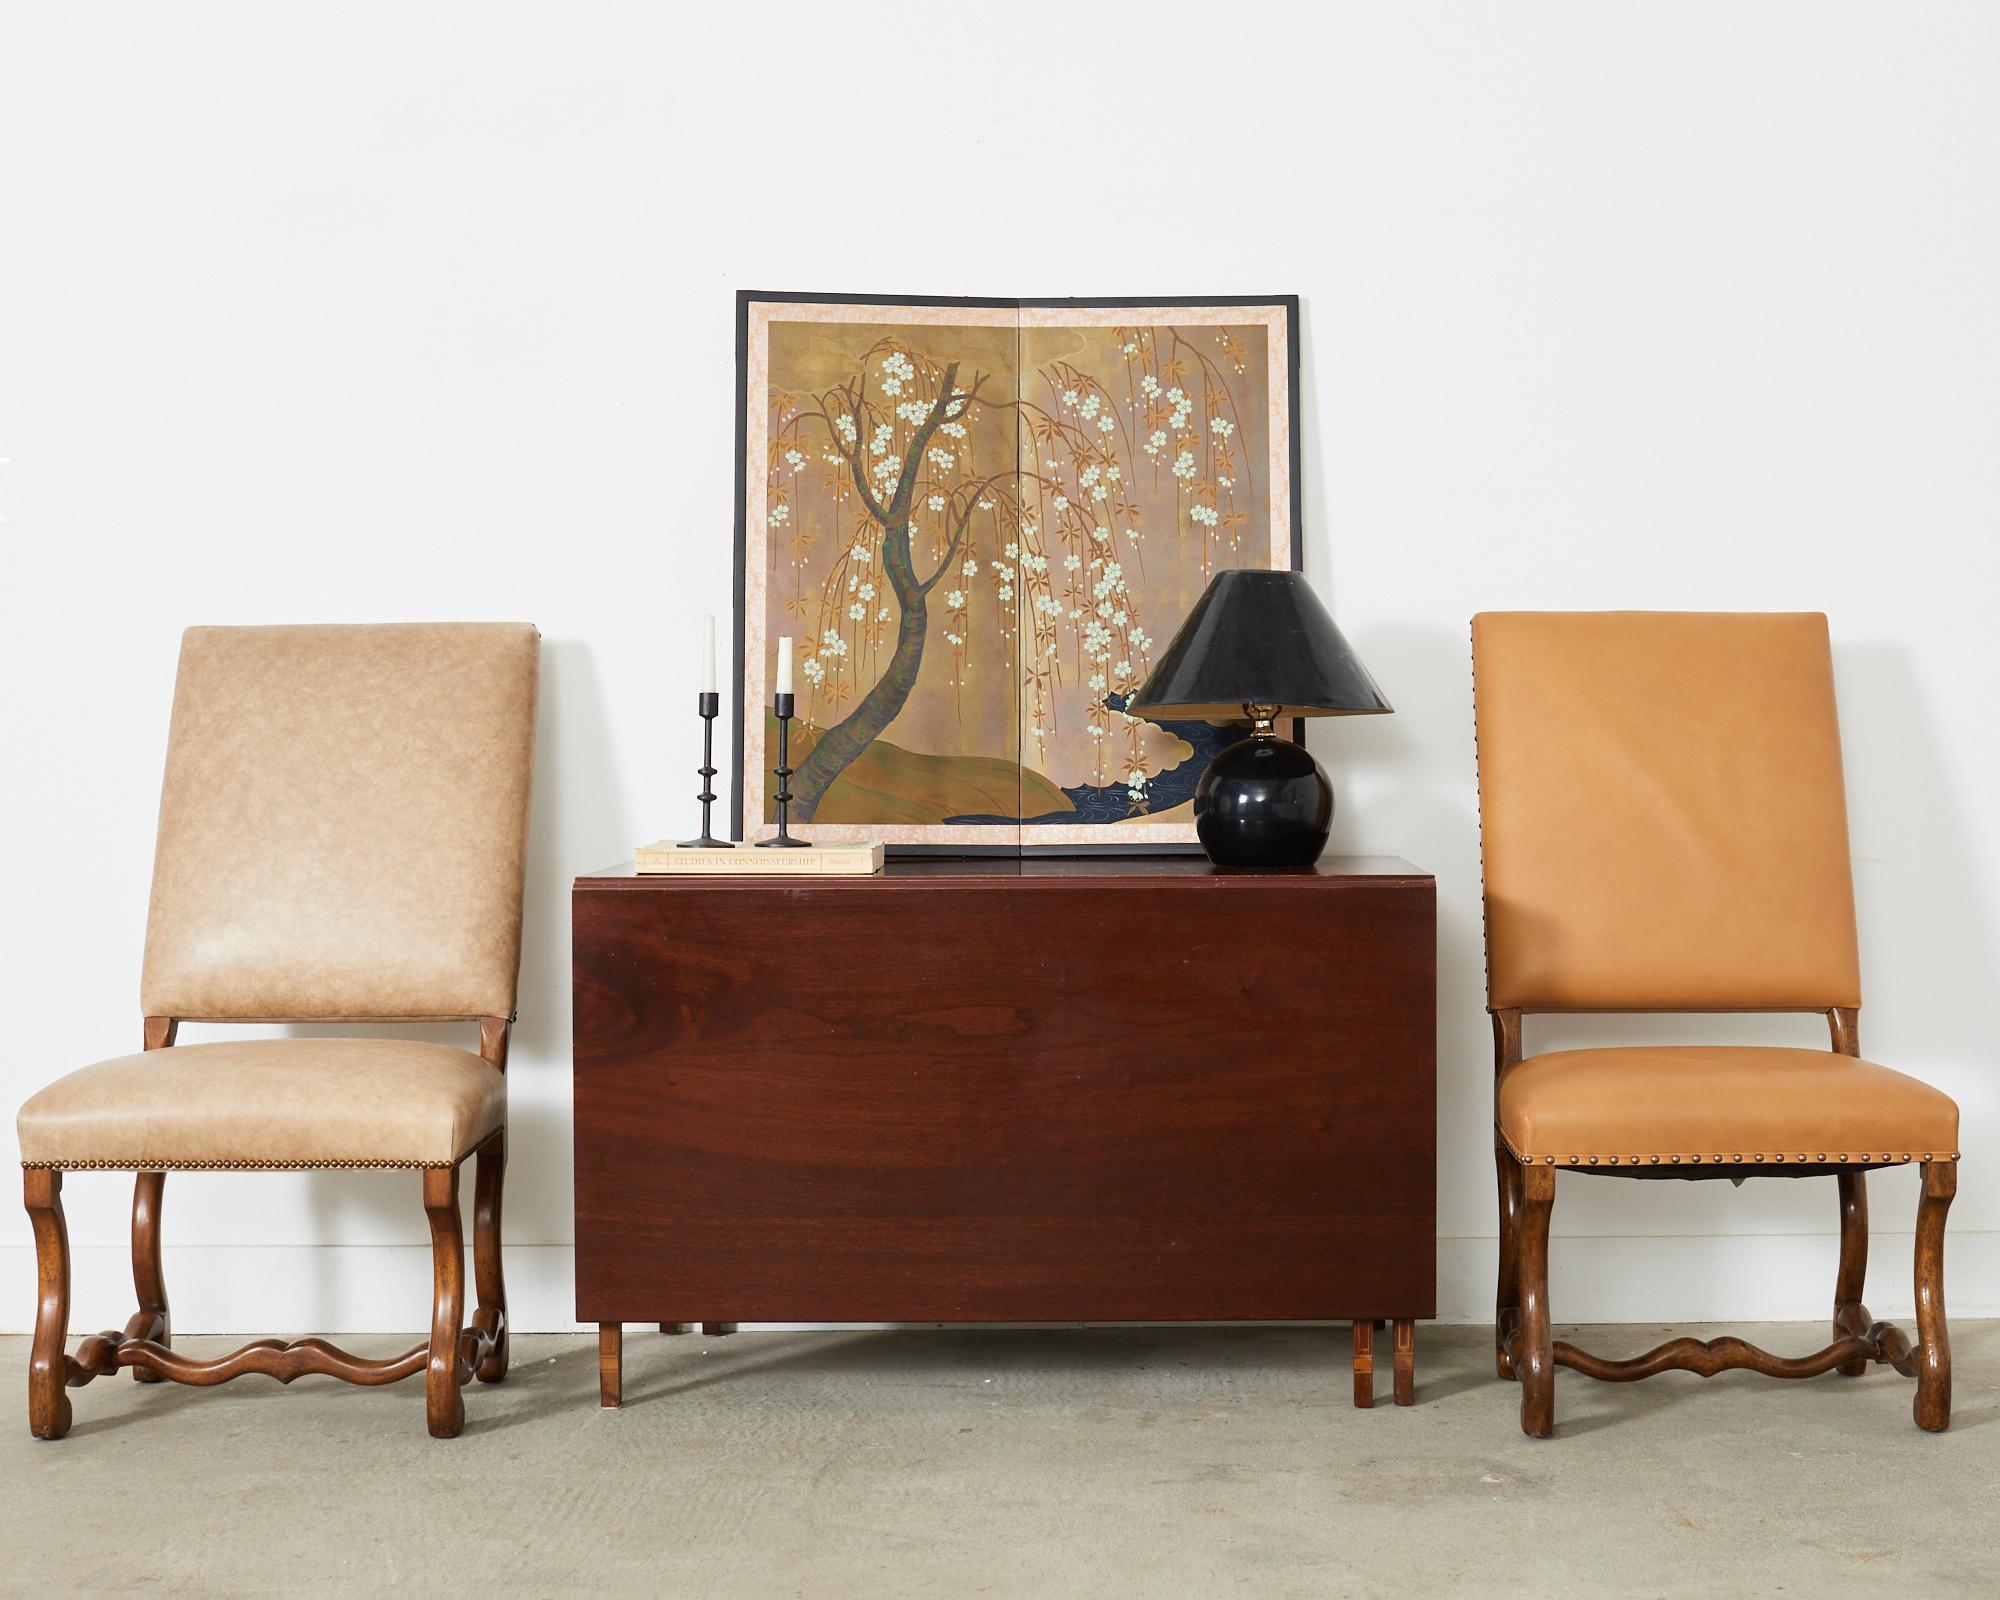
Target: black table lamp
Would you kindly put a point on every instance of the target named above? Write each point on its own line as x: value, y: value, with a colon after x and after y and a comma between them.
x: 1259, y: 645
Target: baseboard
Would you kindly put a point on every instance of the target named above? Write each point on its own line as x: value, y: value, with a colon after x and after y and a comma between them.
x: 376, y: 1288
x: 1785, y: 1277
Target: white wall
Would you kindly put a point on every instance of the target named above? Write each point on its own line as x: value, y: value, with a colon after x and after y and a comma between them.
x: 379, y: 312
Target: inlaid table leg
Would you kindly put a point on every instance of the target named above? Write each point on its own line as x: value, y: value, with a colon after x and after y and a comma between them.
x: 1405, y: 1336
x: 1364, y: 1363
x: 610, y: 1363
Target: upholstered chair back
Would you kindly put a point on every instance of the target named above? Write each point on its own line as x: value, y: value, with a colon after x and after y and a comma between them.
x: 1663, y: 822
x: 343, y: 825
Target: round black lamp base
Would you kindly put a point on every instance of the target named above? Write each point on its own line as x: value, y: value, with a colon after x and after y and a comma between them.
x: 1263, y: 803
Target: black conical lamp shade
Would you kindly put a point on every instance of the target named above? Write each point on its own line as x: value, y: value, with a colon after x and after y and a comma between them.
x: 1259, y: 645
x: 1257, y: 638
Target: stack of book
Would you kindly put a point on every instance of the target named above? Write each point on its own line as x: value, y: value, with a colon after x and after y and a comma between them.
x: 739, y: 860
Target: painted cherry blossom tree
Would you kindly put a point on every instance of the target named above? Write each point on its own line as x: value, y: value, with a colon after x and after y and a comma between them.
x: 1038, y: 555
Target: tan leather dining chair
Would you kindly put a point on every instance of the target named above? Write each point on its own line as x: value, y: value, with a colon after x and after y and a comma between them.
x: 1663, y: 827
x: 343, y: 829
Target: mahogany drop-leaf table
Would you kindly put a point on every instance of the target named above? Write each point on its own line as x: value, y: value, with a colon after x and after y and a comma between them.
x: 995, y: 1090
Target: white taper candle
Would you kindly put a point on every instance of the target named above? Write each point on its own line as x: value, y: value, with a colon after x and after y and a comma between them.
x: 708, y: 655
x: 785, y: 665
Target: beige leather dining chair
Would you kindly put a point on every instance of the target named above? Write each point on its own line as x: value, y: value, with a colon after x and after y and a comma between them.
x: 343, y: 829
x: 1663, y: 827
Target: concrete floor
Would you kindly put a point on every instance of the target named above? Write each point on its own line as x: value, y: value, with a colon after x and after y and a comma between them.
x: 1012, y: 1462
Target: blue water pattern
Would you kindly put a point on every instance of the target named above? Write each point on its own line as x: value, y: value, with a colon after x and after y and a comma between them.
x: 1112, y: 803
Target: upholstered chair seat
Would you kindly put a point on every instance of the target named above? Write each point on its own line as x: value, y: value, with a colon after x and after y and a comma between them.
x: 269, y: 1103
x: 1719, y: 1105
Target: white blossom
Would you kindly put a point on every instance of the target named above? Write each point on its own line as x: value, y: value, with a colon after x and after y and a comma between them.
x: 896, y: 371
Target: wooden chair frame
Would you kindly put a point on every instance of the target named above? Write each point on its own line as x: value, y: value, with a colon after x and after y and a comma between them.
x: 455, y: 1353
x: 1526, y: 1351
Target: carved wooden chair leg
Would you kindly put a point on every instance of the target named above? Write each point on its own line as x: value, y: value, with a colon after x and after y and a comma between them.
x: 1507, y: 1298
x: 48, y: 1405
x: 1534, y: 1351
x: 444, y: 1406
x: 1850, y: 1316
x: 1932, y: 1406
x: 490, y: 1175
x: 154, y: 1321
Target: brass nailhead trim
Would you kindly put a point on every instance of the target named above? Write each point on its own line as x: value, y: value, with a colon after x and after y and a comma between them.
x: 1777, y: 1158
x: 141, y: 1165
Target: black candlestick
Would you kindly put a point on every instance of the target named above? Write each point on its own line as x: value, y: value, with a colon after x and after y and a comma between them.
x: 782, y: 706
x: 706, y: 705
